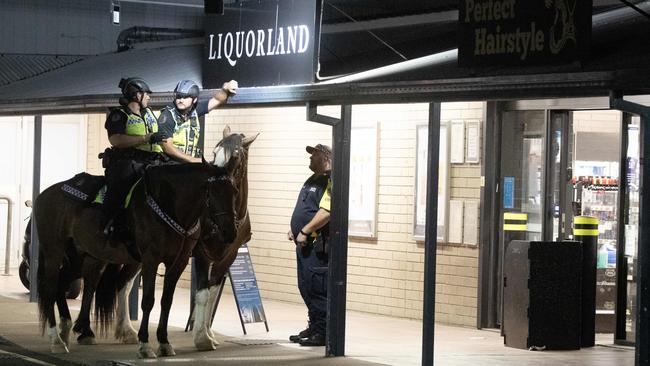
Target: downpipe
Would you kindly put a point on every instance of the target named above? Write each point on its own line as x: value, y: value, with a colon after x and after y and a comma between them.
x: 10, y: 206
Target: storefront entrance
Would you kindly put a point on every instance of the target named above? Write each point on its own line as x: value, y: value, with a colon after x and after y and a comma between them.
x: 556, y: 164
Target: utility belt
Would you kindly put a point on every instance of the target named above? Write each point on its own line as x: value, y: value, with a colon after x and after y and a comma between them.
x: 112, y: 154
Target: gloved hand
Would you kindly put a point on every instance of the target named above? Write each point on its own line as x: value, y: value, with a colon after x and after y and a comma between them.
x: 230, y: 87
x: 156, y: 137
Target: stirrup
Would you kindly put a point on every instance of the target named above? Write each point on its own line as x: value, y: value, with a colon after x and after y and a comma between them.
x: 108, y: 229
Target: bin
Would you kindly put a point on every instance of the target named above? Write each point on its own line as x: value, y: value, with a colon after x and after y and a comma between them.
x: 542, y: 295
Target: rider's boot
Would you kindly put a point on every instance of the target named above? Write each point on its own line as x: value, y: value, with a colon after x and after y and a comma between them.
x: 108, y: 226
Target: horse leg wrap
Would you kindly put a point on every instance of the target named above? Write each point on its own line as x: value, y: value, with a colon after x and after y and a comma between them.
x: 56, y: 343
x: 202, y: 339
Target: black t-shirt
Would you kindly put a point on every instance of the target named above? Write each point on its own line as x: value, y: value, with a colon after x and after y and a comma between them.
x: 166, y: 123
x: 308, y: 202
x: 116, y: 122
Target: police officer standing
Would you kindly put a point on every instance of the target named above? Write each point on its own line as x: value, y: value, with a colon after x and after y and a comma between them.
x: 180, y: 120
x: 310, y: 232
x: 133, y: 133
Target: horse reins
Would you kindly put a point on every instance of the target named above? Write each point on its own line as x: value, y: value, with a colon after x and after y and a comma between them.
x: 178, y: 228
x: 168, y: 220
x: 215, y: 225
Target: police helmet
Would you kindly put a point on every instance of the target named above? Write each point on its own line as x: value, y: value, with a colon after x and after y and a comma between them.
x: 131, y: 86
x: 186, y: 88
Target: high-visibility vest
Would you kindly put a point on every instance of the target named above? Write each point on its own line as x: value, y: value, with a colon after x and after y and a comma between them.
x: 186, y: 132
x: 139, y: 126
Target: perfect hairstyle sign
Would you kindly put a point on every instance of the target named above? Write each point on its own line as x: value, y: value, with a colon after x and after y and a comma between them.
x: 262, y: 43
x: 523, y: 32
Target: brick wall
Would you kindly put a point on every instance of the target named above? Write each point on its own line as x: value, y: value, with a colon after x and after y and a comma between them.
x: 385, y: 273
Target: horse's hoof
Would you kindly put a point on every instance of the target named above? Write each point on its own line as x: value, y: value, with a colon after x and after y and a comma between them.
x: 65, y: 326
x: 87, y: 341
x: 166, y: 350
x: 145, y: 351
x: 204, y: 343
x: 59, y: 348
x: 128, y: 336
x: 131, y: 338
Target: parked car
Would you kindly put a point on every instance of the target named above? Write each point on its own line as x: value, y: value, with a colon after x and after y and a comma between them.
x: 23, y: 270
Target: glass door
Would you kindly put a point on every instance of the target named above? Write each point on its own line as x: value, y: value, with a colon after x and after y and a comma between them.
x: 522, y: 167
x: 521, y: 186
x: 627, y: 246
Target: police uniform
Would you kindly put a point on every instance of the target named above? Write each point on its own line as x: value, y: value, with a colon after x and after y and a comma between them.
x: 312, y: 259
x: 126, y: 165
x: 184, y: 130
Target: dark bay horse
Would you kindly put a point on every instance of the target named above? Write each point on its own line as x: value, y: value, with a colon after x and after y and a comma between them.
x: 164, y: 218
x: 213, y: 256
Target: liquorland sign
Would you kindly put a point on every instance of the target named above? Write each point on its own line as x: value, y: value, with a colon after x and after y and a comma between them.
x: 522, y: 32
x: 262, y: 43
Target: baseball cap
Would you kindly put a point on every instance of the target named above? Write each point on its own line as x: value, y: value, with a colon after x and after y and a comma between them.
x: 322, y: 148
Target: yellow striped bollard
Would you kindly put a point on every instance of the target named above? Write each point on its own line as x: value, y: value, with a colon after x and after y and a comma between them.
x: 585, y: 230
x: 515, y: 225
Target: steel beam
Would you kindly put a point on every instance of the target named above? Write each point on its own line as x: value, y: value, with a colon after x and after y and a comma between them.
x: 558, y: 85
x: 338, y: 256
x: 431, y: 235
x: 36, y: 190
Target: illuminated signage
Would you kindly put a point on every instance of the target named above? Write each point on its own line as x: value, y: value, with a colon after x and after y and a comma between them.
x: 262, y: 43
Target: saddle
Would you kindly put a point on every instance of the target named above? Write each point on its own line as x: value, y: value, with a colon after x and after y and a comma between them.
x: 85, y: 187
x: 89, y: 188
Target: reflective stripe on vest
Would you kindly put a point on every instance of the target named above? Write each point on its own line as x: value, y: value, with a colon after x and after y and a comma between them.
x: 186, y: 133
x: 137, y: 126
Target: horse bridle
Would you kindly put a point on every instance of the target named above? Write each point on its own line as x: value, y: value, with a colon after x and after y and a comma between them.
x: 238, y: 176
x: 212, y: 215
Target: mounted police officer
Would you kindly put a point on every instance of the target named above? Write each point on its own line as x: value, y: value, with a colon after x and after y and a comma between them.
x: 180, y: 120
x: 133, y: 133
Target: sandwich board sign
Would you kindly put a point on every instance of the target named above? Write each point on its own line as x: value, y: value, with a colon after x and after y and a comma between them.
x: 244, y: 287
x: 245, y: 290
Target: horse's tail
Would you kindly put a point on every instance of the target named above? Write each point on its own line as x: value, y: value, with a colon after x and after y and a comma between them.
x: 105, y: 296
x: 41, y: 291
x: 44, y: 297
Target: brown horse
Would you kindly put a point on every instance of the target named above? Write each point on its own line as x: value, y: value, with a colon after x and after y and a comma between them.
x: 164, y: 216
x: 213, y: 256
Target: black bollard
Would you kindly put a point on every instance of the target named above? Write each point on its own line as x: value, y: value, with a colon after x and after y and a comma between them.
x: 515, y: 225
x: 585, y: 230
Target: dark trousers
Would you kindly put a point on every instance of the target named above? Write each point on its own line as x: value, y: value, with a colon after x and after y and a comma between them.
x: 121, y: 175
x: 312, y: 283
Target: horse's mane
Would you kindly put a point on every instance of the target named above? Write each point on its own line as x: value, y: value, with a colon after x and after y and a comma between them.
x: 164, y: 182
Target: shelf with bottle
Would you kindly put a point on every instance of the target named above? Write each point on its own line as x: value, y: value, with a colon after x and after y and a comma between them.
x: 602, y: 183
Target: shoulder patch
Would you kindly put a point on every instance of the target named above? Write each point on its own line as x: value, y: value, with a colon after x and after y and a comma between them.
x: 115, y: 117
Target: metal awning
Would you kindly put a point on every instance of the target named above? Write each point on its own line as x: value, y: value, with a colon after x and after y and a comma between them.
x: 18, y: 67
x: 161, y: 67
